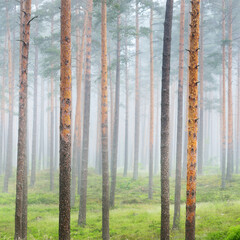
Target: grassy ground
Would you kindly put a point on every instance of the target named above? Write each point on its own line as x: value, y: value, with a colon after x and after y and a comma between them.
x: 134, y: 217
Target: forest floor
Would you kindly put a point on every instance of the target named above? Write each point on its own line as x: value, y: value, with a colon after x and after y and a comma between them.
x: 134, y: 217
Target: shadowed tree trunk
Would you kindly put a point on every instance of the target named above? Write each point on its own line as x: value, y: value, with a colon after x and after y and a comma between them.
x: 151, y: 136
x: 116, y: 120
x: 230, y: 107
x: 223, y: 145
x: 105, y: 174
x: 35, y: 107
x: 177, y: 203
x: 201, y: 117
x: 84, y: 168
x: 21, y: 185
x: 137, y: 104
x: 8, y: 170
x: 238, y: 114
x: 192, y: 121
x: 65, y: 122
x: 165, y: 121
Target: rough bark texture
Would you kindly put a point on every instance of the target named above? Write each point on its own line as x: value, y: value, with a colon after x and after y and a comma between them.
x: 151, y: 127
x: 201, y: 117
x: 35, y: 107
x: 223, y: 147
x: 8, y: 165
x: 21, y: 185
x: 116, y: 120
x: 137, y: 104
x: 105, y: 174
x: 177, y: 203
x: 230, y: 107
x: 65, y: 122
x: 165, y: 121
x: 84, y: 170
x: 192, y: 121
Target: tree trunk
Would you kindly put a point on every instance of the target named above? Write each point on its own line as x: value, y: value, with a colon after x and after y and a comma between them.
x: 192, y: 121
x: 126, y: 110
x: 8, y: 170
x: 84, y: 170
x: 78, y: 132
x: 116, y: 119
x: 137, y: 104
x: 2, y: 131
x: 151, y: 136
x: 177, y: 203
x: 201, y: 117
x: 223, y: 145
x: 52, y: 118
x: 105, y: 174
x: 35, y: 105
x: 65, y: 122
x: 230, y: 108
x: 21, y: 185
x: 165, y: 121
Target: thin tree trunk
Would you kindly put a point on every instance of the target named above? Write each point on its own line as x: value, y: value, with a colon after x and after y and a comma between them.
x: 116, y: 119
x: 78, y: 132
x: 230, y: 108
x: 192, y: 121
x: 8, y: 170
x: 35, y: 105
x: 151, y: 136
x: 21, y: 185
x: 137, y: 104
x: 223, y: 147
x: 2, y: 131
x: 165, y: 121
x: 105, y: 174
x: 177, y: 203
x: 52, y: 118
x: 84, y: 170
x: 65, y: 122
x: 238, y: 115
x: 126, y: 110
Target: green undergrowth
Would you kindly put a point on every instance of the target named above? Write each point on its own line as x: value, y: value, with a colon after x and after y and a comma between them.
x: 134, y: 216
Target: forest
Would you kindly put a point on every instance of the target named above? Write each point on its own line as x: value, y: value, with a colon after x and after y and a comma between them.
x: 119, y: 119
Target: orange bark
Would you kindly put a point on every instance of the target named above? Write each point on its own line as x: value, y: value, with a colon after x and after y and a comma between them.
x: 192, y: 121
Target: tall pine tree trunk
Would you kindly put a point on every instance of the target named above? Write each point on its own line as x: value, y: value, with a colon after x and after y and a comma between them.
x: 165, y: 121
x: 151, y: 136
x: 116, y: 120
x: 21, y: 185
x: 223, y: 145
x: 9, y: 155
x: 137, y: 104
x: 84, y: 168
x: 65, y: 122
x: 230, y: 107
x: 104, y: 120
x: 35, y: 107
x: 192, y: 121
x: 177, y: 203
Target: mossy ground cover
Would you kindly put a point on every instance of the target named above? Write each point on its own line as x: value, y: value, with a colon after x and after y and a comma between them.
x: 134, y: 216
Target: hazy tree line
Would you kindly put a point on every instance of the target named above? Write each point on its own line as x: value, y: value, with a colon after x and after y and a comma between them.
x: 121, y: 87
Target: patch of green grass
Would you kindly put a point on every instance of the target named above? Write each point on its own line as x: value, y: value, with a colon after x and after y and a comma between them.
x: 134, y: 217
